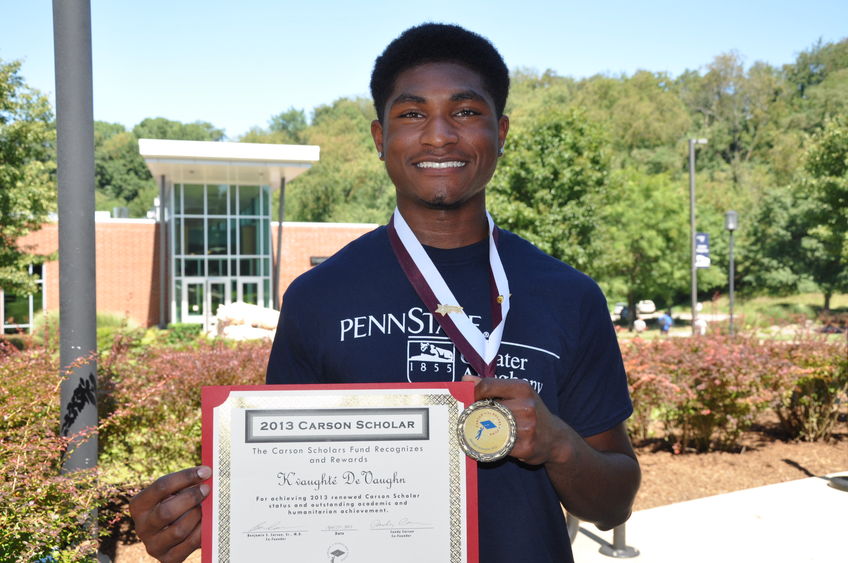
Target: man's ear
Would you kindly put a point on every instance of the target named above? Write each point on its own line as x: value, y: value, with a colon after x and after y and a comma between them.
x: 377, y: 135
x: 503, y: 129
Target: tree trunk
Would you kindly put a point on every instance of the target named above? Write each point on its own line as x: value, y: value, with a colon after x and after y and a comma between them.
x: 827, y: 296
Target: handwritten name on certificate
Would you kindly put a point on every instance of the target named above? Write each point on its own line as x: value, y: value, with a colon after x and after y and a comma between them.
x: 332, y: 473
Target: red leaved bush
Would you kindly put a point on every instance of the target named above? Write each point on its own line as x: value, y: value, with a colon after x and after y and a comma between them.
x: 154, y: 395
x: 703, y: 392
x: 42, y: 513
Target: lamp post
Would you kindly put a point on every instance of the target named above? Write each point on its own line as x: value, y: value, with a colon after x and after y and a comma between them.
x: 731, y: 223
x: 694, y: 270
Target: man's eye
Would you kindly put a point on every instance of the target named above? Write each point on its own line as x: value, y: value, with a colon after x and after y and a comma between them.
x: 410, y: 114
x: 467, y: 113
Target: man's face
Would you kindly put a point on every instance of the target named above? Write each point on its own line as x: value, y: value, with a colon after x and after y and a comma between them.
x: 440, y: 135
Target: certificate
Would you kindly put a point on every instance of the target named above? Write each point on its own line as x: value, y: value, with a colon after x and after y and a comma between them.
x: 332, y: 473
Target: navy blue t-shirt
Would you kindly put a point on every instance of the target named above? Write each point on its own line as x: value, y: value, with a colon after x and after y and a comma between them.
x: 356, y: 319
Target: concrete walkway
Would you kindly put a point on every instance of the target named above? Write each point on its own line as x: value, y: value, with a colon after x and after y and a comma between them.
x: 796, y: 521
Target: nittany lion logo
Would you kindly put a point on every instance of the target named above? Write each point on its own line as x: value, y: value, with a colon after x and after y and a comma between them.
x: 429, y: 360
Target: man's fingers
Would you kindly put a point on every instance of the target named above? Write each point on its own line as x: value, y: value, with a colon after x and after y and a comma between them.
x: 495, y: 388
x: 169, y: 511
x: 179, y: 539
x: 166, y: 486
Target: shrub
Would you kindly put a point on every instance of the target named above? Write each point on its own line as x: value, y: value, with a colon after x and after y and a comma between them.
x: 809, y: 407
x: 153, y: 394
x: 705, y: 391
x: 183, y: 333
x: 43, y: 514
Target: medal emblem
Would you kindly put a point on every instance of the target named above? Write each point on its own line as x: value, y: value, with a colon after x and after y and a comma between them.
x: 486, y: 431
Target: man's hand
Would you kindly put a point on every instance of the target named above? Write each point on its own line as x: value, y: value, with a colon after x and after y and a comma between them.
x: 541, y: 436
x: 167, y: 513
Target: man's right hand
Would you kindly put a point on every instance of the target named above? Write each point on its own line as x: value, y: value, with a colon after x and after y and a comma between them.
x: 167, y: 513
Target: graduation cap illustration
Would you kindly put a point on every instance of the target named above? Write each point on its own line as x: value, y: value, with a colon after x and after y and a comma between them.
x: 336, y: 553
x: 485, y: 425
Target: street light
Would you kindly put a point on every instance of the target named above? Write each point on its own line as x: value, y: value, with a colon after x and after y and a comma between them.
x: 694, y: 273
x: 731, y: 223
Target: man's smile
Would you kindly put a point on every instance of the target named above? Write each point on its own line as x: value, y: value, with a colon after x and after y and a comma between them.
x: 446, y: 164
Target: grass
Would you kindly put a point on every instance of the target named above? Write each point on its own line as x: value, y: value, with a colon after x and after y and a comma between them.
x: 766, y: 311
x: 773, y: 317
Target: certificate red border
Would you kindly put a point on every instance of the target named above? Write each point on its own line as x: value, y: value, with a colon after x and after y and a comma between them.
x: 213, y: 396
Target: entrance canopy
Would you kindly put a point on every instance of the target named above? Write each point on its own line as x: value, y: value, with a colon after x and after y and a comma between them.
x: 226, y: 163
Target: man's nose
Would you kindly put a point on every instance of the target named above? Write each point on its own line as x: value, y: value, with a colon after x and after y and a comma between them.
x: 439, y: 131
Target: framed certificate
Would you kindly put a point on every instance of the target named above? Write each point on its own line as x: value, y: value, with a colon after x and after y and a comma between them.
x: 332, y: 473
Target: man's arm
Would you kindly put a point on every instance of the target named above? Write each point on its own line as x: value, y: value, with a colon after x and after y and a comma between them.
x: 596, y: 478
x: 167, y: 514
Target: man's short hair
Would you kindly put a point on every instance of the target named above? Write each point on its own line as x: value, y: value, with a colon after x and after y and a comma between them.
x: 437, y: 43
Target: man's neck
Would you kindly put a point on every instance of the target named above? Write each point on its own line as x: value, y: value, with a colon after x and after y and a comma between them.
x: 447, y: 228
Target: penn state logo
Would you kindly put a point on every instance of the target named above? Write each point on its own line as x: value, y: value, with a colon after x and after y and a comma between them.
x: 430, y: 360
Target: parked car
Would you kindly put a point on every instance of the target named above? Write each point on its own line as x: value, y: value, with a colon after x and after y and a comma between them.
x: 646, y: 307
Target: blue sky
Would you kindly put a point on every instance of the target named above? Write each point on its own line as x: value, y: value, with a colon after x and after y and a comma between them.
x: 235, y: 64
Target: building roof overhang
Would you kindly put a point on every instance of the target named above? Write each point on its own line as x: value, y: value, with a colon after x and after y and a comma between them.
x: 225, y: 162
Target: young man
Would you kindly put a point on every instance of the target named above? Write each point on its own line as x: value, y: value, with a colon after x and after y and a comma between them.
x: 440, y: 93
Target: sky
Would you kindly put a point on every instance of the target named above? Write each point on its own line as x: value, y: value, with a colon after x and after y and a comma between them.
x: 236, y: 64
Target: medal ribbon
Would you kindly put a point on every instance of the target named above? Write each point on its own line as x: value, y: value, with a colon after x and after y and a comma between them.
x: 430, y: 286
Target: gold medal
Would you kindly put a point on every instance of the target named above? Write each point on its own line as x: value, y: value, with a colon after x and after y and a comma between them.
x: 486, y: 431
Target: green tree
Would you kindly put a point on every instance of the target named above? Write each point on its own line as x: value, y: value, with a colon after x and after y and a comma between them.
x: 826, y: 244
x: 121, y: 176
x: 551, y: 184
x: 801, y: 231
x: 813, y: 66
x: 287, y: 128
x: 27, y: 184
x: 645, y: 237
x: 161, y: 128
x: 641, y: 113
x: 349, y: 183
x: 291, y: 123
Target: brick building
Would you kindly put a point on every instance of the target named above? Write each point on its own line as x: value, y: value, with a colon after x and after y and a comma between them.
x: 212, y: 243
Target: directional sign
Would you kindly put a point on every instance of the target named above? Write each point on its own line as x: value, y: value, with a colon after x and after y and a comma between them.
x: 702, y: 250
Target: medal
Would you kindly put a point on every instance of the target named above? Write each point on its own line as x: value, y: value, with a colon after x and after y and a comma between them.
x: 486, y: 431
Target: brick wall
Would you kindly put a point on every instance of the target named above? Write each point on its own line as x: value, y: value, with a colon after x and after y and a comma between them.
x: 127, y: 271
x: 302, y: 241
x: 127, y: 253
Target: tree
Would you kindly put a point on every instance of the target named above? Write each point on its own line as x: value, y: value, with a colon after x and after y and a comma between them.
x: 641, y: 113
x: 291, y: 123
x: 287, y: 128
x: 801, y: 231
x: 121, y: 176
x: 826, y: 244
x: 551, y: 185
x: 645, y: 237
x: 27, y: 183
x: 349, y: 183
x: 161, y: 128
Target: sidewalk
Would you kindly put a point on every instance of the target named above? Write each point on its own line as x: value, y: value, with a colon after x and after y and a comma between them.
x: 796, y: 521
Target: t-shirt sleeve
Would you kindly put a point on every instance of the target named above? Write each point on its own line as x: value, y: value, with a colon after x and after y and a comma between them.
x: 595, y: 396
x: 294, y: 355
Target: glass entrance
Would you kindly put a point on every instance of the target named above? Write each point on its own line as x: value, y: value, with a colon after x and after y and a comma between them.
x: 194, y: 301
x: 201, y: 299
x: 250, y: 291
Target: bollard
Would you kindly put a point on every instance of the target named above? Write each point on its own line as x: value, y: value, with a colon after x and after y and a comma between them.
x: 619, y: 547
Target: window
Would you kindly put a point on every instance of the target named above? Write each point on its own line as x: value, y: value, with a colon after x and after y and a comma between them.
x: 20, y: 310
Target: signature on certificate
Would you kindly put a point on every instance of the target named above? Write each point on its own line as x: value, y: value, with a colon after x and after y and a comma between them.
x: 380, y: 524
x: 265, y: 527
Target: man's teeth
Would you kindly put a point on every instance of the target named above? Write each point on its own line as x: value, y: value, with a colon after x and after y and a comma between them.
x: 450, y: 164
